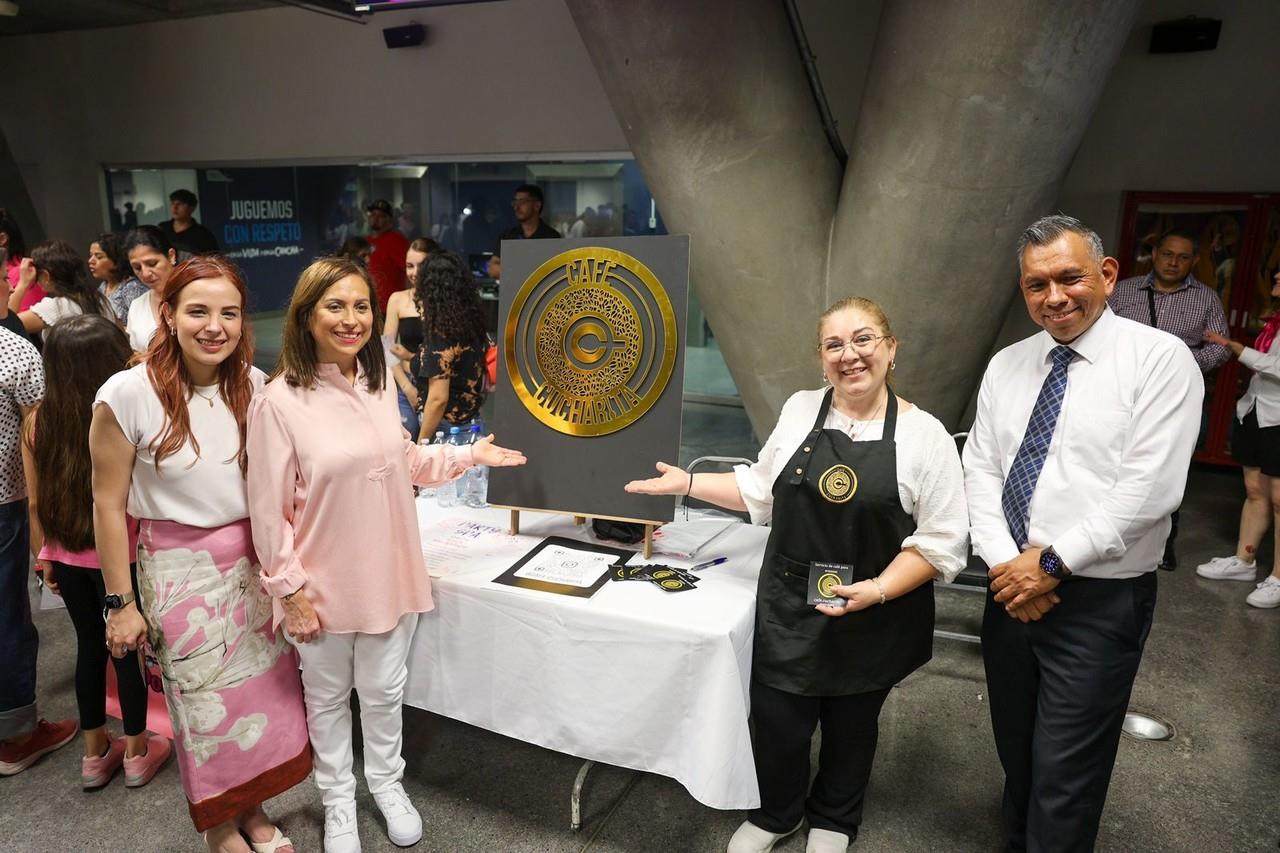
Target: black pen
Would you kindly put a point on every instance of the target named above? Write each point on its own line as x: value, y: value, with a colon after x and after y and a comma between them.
x: 709, y: 563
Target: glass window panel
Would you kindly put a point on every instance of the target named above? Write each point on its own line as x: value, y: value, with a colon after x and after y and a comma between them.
x: 274, y: 220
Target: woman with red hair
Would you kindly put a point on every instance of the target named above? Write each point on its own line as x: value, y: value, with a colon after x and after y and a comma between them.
x: 168, y: 446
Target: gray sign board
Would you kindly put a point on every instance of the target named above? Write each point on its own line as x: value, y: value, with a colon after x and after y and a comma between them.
x: 590, y: 372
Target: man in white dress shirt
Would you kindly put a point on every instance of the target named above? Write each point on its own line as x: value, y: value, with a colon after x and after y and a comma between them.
x: 1077, y: 456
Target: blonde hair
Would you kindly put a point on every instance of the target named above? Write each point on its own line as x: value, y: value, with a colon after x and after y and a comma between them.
x: 864, y: 305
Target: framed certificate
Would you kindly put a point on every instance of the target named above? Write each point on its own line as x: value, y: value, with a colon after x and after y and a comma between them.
x: 564, y: 567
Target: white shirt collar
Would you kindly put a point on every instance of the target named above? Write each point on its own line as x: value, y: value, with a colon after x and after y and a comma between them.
x: 1089, y: 345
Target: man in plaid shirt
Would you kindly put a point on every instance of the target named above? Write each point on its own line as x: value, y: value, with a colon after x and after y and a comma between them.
x: 1171, y: 299
x: 1182, y: 306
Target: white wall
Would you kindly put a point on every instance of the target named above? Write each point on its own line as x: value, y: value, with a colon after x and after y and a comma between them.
x: 1202, y: 121
x: 1192, y: 121
x: 514, y: 78
x: 506, y: 78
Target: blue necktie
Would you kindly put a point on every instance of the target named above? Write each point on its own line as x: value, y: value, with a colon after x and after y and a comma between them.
x: 1020, y: 485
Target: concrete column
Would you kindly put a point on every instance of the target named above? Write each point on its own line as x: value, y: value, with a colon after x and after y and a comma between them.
x: 971, y: 115
x: 15, y: 197
x: 717, y: 110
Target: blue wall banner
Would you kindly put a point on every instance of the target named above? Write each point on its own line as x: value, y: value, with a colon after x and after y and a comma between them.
x: 256, y: 217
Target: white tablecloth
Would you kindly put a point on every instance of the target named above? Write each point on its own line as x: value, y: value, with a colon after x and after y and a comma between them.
x: 634, y: 676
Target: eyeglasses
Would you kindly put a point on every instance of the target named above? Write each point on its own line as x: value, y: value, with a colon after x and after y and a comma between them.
x: 862, y: 345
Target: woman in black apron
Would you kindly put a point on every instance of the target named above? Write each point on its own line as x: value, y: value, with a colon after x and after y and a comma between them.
x: 852, y: 476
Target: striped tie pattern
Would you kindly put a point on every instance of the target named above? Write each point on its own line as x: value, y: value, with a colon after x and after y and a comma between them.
x: 1020, y: 485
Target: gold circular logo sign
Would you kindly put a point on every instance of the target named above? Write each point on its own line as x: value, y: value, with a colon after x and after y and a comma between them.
x: 672, y: 584
x: 827, y: 583
x: 590, y: 341
x: 838, y: 483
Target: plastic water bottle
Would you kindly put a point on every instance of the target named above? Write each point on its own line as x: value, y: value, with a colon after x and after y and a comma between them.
x: 430, y: 491
x: 476, y: 481
x: 447, y: 493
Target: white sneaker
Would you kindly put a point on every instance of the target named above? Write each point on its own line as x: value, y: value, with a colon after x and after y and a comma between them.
x: 752, y: 839
x: 1228, y: 569
x: 1267, y: 594
x: 340, y: 834
x: 404, y: 824
x: 826, y: 841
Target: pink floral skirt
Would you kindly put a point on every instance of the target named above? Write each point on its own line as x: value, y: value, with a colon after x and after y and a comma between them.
x: 230, y: 681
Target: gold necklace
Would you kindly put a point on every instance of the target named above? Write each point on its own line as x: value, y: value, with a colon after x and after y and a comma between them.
x: 859, y: 427
x: 208, y: 399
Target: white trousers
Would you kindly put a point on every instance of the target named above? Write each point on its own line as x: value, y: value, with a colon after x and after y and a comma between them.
x: 374, y: 664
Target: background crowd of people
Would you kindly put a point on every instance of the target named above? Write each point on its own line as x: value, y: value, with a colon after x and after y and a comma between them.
x: 146, y: 465
x: 127, y: 439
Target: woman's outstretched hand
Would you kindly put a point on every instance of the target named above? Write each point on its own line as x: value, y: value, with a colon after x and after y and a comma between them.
x: 485, y: 452
x: 672, y: 480
x: 1214, y: 338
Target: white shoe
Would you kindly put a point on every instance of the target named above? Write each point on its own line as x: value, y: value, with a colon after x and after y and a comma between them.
x: 752, y: 839
x: 826, y: 841
x: 1228, y: 569
x: 404, y: 824
x: 340, y: 834
x: 1267, y: 594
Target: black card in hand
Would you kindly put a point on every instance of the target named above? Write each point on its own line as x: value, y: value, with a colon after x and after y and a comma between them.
x: 824, y: 578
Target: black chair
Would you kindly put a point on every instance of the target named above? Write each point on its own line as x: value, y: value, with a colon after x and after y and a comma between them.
x: 972, y: 579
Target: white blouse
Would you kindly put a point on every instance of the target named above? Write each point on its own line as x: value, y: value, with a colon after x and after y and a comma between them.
x: 930, y: 479
x: 201, y: 491
x: 141, y: 323
x: 53, y: 309
x: 1263, y: 392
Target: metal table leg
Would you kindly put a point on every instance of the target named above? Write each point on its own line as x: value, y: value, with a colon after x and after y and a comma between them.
x: 956, y: 635
x: 575, y: 798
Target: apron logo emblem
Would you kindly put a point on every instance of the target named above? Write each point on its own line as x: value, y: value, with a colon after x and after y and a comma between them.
x: 827, y: 584
x: 838, y: 483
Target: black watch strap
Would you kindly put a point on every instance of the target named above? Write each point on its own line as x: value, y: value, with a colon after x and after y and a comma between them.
x: 1052, y: 565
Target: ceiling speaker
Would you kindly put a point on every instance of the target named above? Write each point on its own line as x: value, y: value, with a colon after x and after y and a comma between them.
x: 1185, y: 35
x: 410, y: 35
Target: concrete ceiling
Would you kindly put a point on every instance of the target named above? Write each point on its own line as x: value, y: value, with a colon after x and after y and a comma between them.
x: 47, y: 16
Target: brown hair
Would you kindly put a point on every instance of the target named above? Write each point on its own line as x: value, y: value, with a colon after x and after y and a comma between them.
x: 426, y: 246
x: 864, y: 305
x: 80, y: 354
x: 167, y: 370
x: 298, y: 356
x: 68, y: 276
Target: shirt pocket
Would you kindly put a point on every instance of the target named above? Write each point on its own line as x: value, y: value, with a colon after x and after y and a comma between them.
x: 1094, y: 441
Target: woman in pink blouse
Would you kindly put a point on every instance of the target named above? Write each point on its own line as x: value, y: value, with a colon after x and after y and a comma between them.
x: 15, y: 249
x: 327, y: 455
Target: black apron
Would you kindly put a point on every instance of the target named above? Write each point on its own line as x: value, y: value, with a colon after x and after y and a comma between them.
x: 837, y: 502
